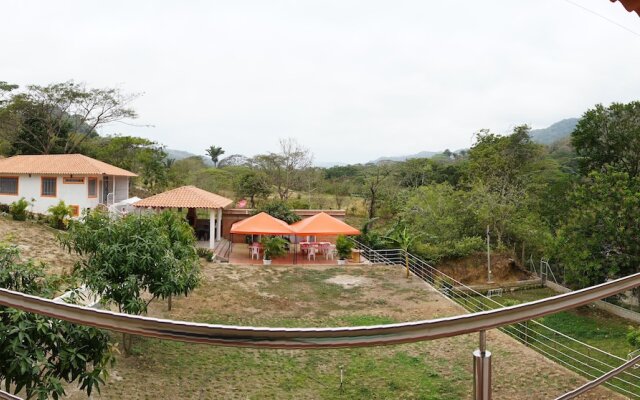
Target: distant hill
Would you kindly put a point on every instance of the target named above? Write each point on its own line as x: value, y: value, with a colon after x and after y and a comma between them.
x: 558, y: 131
x: 554, y: 133
x: 422, y: 154
x: 329, y: 164
x: 181, y: 155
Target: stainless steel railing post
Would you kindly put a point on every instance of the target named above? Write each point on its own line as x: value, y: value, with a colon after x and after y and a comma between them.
x: 482, y: 370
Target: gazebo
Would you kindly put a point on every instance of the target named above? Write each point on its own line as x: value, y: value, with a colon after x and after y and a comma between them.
x: 192, y: 198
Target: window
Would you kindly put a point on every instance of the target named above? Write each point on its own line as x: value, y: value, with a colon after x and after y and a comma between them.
x: 75, y: 210
x: 73, y: 181
x: 92, y: 187
x: 49, y: 186
x: 9, y: 185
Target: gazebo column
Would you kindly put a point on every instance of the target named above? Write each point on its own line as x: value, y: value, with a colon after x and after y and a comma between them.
x: 212, y: 225
x: 219, y: 225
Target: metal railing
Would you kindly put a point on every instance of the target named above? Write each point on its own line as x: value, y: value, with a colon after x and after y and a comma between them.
x: 320, y: 338
x: 577, y: 356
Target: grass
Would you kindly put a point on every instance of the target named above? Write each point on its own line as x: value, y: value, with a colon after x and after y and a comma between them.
x: 587, y: 324
x: 293, y: 297
x: 302, y: 297
x: 268, y: 374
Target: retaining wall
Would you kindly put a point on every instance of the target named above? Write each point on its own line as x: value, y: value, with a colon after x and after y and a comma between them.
x: 602, y: 305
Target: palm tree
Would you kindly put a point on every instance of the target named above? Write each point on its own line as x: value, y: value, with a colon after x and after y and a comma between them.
x: 403, y: 238
x: 215, y: 152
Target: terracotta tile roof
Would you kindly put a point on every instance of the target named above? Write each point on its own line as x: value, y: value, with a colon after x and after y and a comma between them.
x: 262, y: 224
x: 630, y: 5
x: 186, y: 197
x: 59, y: 164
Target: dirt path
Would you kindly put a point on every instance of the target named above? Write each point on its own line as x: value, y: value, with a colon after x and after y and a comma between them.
x: 37, y: 241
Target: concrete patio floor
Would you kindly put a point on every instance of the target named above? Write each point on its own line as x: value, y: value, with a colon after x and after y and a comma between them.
x: 240, y: 255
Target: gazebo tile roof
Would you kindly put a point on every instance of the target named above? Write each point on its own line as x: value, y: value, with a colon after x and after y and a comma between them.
x: 185, y: 197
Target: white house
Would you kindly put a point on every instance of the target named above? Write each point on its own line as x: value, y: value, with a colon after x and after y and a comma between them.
x: 81, y: 181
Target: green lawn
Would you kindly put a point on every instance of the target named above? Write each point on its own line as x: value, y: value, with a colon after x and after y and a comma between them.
x: 586, y: 324
x: 302, y: 297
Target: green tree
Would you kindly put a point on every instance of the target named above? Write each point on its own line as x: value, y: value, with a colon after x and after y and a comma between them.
x: 609, y: 136
x: 124, y: 258
x: 286, y: 168
x: 279, y: 209
x: 253, y: 184
x: 599, y: 239
x: 181, y: 171
x: 499, y: 171
x: 60, y: 117
x: 340, y: 190
x: 38, y: 354
x: 375, y: 181
x: 403, y: 238
x: 142, y: 156
x: 214, y: 153
x: 446, y: 220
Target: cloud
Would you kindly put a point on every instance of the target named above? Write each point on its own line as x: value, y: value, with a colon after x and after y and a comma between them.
x: 351, y: 80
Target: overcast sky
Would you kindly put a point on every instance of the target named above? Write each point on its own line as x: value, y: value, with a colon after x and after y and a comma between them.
x: 351, y: 80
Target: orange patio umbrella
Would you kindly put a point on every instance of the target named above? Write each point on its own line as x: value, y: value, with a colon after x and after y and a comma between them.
x: 262, y: 224
x: 323, y: 224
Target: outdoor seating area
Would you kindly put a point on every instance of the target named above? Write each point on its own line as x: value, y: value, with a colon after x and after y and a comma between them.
x: 298, y: 241
x: 250, y: 254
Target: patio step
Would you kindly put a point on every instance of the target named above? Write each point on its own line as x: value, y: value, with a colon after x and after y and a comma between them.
x: 222, y: 249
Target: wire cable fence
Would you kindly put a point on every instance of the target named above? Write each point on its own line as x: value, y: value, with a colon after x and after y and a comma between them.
x: 573, y: 354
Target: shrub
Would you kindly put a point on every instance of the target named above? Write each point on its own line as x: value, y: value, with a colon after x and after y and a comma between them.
x: 274, y: 246
x: 298, y: 204
x: 510, y: 302
x: 633, y: 337
x: 280, y: 210
x: 41, y: 355
x: 60, y: 214
x: 450, y: 249
x: 343, y: 247
x: 18, y: 209
x: 205, y: 253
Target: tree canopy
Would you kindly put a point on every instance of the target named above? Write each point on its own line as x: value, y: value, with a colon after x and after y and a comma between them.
x: 609, y: 136
x: 60, y: 117
x: 126, y: 257
x: 39, y: 354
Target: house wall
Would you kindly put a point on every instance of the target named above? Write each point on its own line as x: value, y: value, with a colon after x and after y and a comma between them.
x: 29, y: 187
x: 121, y: 188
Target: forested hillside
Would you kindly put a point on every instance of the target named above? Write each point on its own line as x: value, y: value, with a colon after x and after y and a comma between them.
x: 575, y: 201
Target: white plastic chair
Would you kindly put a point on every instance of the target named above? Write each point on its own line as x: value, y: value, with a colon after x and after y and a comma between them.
x: 330, y: 253
x: 312, y: 253
x: 255, y: 251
